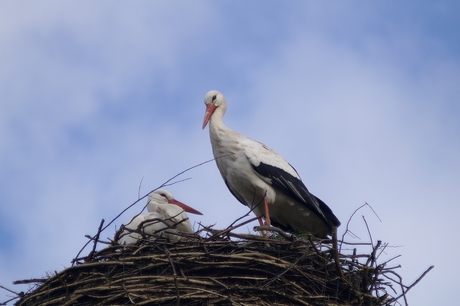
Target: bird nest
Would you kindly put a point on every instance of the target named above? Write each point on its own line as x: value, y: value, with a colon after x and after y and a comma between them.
x: 220, y: 267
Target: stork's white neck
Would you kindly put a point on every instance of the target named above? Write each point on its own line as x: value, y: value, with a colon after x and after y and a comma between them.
x: 216, y: 123
x: 225, y: 142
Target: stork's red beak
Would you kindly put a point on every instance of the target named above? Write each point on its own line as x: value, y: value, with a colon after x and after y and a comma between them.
x: 184, y: 207
x: 210, y: 108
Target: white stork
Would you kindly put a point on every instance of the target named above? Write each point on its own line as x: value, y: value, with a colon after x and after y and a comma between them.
x: 165, y: 217
x: 262, y: 180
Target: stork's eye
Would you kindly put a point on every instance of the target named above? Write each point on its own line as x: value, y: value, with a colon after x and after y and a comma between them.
x: 214, y: 97
x: 163, y: 195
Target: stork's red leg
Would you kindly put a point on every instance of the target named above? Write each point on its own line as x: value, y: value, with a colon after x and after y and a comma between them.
x: 267, y: 218
x: 267, y: 214
x: 261, y: 222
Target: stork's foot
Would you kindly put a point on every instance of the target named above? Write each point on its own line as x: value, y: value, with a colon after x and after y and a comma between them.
x: 261, y: 222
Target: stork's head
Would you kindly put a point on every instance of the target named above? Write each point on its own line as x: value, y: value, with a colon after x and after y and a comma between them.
x: 164, y: 197
x: 159, y: 197
x: 213, y: 100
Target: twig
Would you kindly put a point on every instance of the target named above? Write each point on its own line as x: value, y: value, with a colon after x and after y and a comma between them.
x: 4, y: 288
x: 368, y: 230
x: 18, y: 295
x: 251, y: 209
x: 174, y: 274
x: 12, y: 299
x: 414, y: 283
x: 238, y: 219
x: 372, y: 258
x: 30, y: 281
x: 139, y: 189
x: 351, y: 217
x: 176, y: 182
x: 284, y: 272
x: 335, y: 252
x: 223, y: 232
x: 274, y: 229
x: 188, y: 169
x: 91, y: 254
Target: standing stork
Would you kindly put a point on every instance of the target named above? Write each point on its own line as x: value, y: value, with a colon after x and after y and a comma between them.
x: 166, y: 216
x: 261, y: 179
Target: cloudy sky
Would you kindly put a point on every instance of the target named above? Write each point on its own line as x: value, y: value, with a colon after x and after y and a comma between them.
x: 361, y: 98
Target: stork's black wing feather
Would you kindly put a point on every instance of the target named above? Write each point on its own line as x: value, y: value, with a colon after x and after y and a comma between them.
x: 293, y: 187
x: 327, y: 212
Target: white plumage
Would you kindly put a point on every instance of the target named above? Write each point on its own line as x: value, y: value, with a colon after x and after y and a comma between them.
x: 166, y: 216
x: 261, y: 179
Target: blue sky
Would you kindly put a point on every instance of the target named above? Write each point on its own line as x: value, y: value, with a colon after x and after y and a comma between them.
x: 361, y: 98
